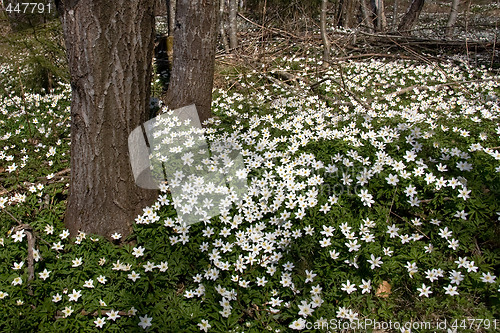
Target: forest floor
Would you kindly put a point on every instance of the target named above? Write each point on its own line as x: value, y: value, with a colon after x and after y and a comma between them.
x: 373, y: 186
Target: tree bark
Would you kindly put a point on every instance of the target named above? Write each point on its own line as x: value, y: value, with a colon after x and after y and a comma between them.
x: 233, y: 24
x: 222, y: 25
x: 380, y: 12
x: 324, y: 34
x: 109, y: 47
x: 394, y: 15
x: 348, y: 13
x: 411, y: 16
x: 195, y: 40
x: 171, y: 16
x: 452, y: 19
x: 367, y: 17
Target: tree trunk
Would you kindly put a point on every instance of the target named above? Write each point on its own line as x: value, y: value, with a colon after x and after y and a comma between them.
x: 411, y: 16
x: 195, y: 39
x: 109, y: 47
x: 171, y: 16
x: 233, y: 24
x: 222, y: 25
x: 348, y: 13
x: 324, y: 34
x: 394, y: 15
x: 381, y: 19
x: 452, y: 19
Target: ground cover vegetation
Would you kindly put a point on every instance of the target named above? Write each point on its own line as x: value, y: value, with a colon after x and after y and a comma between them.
x: 373, y: 192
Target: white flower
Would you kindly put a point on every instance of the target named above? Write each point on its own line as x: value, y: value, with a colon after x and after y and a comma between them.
x: 64, y: 234
x: 451, y: 290
x: 113, y: 315
x: 76, y: 262
x: 138, y: 251
x: 424, y: 290
x: 116, y: 236
x: 204, y: 325
x: 298, y: 324
x: 488, y: 278
x: 44, y: 275
x: 75, y: 295
x: 145, y: 321
x: 133, y: 276
x: 348, y: 287
x: 163, y: 266
x: 17, y: 281
x: 305, y: 309
x: 56, y: 298
x: 99, y: 322
x: 102, y: 279
x: 89, y: 284
x: 366, y: 198
x: 375, y: 262
x: 67, y: 311
x: 18, y: 265
x: 18, y: 236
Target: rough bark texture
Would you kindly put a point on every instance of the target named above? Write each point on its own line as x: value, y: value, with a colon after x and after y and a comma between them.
x: 195, y: 39
x: 109, y: 47
x: 411, y: 16
x: 452, y: 19
x: 222, y: 25
x: 324, y: 35
x: 233, y: 24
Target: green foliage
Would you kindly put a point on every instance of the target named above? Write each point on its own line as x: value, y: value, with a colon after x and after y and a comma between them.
x: 35, y: 59
x: 325, y: 227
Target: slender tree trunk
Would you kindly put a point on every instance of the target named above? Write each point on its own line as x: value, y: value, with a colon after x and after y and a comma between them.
x: 171, y: 16
x: 222, y: 25
x: 452, y: 19
x: 349, y: 8
x: 394, y: 16
x: 109, y: 47
x: 324, y: 34
x: 411, y: 16
x: 233, y: 24
x: 195, y: 39
x: 367, y: 17
x: 381, y: 19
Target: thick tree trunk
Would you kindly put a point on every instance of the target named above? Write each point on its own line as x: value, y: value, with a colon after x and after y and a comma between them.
x: 411, y: 16
x: 194, y: 56
x: 233, y: 24
x: 452, y: 19
x: 109, y: 47
x: 324, y: 34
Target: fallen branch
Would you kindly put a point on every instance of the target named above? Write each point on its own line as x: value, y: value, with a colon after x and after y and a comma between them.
x: 59, y: 314
x: 269, y: 29
x: 427, y: 87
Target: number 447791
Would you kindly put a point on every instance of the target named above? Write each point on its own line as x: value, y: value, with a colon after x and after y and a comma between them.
x: 472, y: 323
x: 28, y: 8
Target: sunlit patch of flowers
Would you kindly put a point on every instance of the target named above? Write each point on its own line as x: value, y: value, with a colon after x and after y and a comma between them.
x: 379, y: 188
